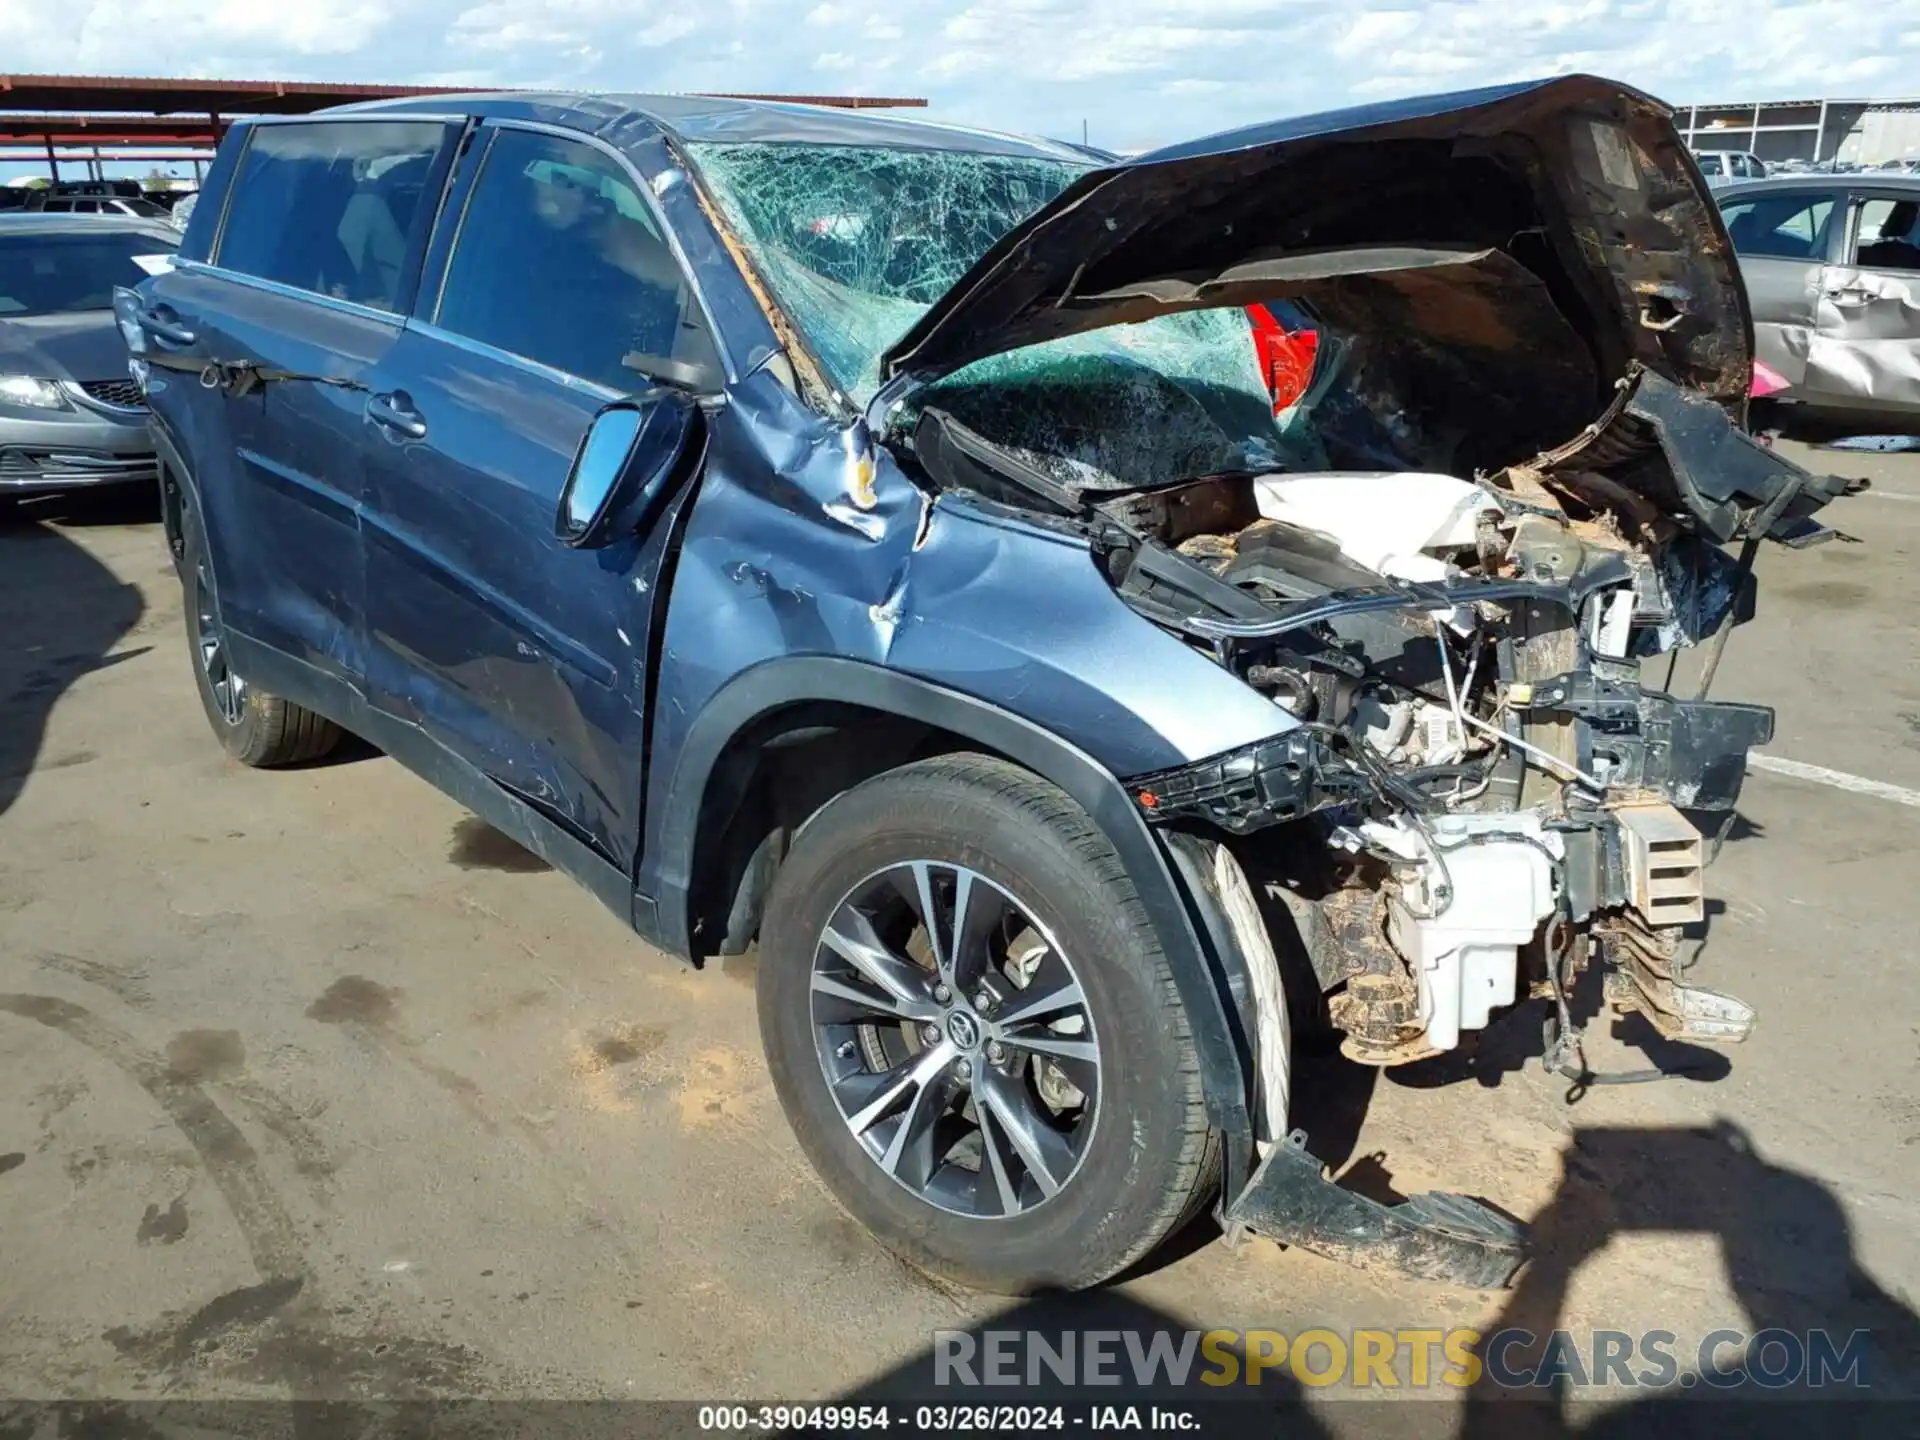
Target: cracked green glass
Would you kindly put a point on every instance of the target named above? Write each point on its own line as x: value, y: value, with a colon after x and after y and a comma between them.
x: 857, y: 243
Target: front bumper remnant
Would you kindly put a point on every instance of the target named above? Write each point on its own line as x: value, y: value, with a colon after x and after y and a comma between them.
x: 1646, y: 977
x: 1436, y: 1236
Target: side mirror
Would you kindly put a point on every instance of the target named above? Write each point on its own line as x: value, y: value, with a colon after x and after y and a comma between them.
x: 127, y: 307
x: 632, y: 449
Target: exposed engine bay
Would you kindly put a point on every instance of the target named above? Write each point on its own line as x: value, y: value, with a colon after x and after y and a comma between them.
x: 1478, y: 797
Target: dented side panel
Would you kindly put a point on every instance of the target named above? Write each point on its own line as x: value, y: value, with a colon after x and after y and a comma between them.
x: 1864, y: 350
x: 797, y: 546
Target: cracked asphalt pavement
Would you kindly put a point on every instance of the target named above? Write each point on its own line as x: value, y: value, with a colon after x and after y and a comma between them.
x: 312, y: 1085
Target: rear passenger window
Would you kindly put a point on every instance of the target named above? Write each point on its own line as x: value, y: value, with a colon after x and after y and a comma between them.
x: 333, y: 208
x: 1785, y: 227
x: 560, y: 261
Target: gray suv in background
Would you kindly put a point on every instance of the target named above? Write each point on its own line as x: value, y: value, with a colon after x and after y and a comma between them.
x: 70, y: 414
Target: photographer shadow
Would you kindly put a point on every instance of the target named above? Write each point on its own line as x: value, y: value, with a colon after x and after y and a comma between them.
x: 1789, y: 1257
x: 64, y: 614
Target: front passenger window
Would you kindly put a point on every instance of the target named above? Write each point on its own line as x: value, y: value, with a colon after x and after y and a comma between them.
x: 560, y: 261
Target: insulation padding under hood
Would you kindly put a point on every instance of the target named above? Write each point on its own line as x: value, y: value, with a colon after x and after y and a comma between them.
x: 1581, y: 183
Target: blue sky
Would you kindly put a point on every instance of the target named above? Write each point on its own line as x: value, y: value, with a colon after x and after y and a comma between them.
x: 1138, y: 72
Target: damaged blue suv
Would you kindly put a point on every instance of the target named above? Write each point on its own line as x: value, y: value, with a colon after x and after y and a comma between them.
x: 887, y: 544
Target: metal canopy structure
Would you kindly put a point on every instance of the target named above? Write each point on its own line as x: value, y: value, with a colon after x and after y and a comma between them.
x: 147, y: 131
x: 1813, y: 130
x: 97, y: 119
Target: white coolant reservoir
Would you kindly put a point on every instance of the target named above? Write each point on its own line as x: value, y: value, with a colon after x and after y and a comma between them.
x: 1387, y: 520
x: 1498, y: 887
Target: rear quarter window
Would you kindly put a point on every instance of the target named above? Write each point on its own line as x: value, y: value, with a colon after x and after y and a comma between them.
x: 335, y: 208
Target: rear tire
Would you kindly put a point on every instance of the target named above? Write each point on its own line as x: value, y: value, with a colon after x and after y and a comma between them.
x: 254, y: 727
x: 1060, y: 1194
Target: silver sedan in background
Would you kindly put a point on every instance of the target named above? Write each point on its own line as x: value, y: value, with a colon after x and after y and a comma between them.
x: 70, y: 414
x: 1832, y: 269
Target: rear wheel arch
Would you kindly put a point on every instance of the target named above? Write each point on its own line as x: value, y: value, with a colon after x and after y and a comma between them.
x: 906, y: 719
x: 255, y: 727
x: 173, y: 513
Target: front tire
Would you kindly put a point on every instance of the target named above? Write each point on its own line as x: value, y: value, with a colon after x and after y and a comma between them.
x: 254, y: 727
x: 1010, y: 1097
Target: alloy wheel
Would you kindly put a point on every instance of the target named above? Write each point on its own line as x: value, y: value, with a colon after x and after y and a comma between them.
x: 955, y: 1039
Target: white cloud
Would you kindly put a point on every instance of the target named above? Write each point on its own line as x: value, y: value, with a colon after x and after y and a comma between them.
x: 1193, y: 88
x: 1373, y: 28
x: 666, y: 30
x: 1134, y: 70
x: 517, y: 26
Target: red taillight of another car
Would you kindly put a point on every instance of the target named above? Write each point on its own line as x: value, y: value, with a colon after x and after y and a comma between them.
x: 1286, y: 357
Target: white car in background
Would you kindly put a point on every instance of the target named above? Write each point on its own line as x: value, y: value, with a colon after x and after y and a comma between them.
x: 1730, y: 167
x: 133, y: 205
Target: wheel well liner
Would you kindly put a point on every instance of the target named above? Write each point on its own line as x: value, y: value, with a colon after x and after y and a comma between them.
x: 773, y: 776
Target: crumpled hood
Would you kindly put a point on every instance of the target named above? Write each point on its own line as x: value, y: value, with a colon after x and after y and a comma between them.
x: 1501, y: 224
x: 73, y: 345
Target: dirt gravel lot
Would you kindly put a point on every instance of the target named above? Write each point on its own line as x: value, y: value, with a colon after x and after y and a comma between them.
x: 311, y: 1085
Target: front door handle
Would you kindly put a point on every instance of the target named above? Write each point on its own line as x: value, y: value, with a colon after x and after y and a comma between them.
x: 394, y: 411
x: 163, y: 328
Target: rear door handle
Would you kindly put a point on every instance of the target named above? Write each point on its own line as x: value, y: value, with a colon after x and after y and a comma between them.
x: 162, y: 328
x: 394, y: 411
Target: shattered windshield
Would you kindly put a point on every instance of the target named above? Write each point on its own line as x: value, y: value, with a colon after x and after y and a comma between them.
x: 857, y: 243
